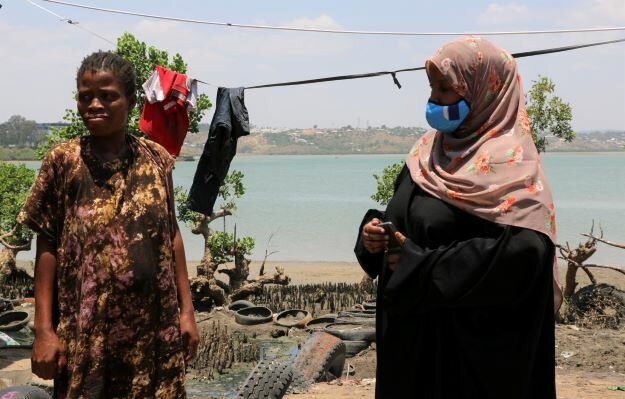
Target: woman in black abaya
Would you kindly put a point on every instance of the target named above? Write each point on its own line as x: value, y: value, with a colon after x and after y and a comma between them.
x: 466, y: 303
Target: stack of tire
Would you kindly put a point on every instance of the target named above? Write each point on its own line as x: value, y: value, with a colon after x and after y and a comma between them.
x: 356, y: 327
x: 321, y: 358
x: 334, y: 337
x: 246, y: 313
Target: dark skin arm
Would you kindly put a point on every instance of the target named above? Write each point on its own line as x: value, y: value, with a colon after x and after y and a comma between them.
x: 188, y: 328
x: 48, y: 354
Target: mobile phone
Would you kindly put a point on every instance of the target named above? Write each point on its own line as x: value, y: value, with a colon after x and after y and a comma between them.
x: 390, y: 230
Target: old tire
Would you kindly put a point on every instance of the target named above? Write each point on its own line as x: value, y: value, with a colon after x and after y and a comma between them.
x: 24, y: 392
x: 352, y: 348
x: 318, y: 323
x: 299, y: 383
x: 369, y: 305
x: 14, y: 320
x: 358, y: 313
x: 321, y: 358
x: 253, y: 315
x: 367, y: 321
x: 351, y: 331
x: 240, y: 304
x: 293, y: 318
x: 600, y: 305
x: 268, y: 380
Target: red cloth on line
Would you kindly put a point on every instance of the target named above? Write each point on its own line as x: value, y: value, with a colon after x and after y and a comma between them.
x: 164, y: 118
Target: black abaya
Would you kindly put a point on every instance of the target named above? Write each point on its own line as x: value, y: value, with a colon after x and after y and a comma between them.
x: 468, y: 311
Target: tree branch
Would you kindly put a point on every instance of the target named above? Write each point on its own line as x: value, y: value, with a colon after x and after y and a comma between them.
x: 267, y: 254
x: 610, y: 243
x: 18, y: 247
x: 615, y: 268
x: 219, y: 214
x: 255, y: 286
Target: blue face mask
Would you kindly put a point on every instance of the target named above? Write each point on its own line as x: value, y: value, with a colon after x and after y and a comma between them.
x: 446, y: 118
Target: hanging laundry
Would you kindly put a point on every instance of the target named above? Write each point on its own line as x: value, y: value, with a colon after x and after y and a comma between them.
x: 165, y: 119
x: 230, y: 122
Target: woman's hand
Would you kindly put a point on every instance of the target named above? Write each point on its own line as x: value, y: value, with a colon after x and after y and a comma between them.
x: 190, y: 338
x: 48, y: 355
x: 374, y: 238
x: 392, y: 257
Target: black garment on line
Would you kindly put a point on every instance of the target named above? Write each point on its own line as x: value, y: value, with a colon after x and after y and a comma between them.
x: 468, y: 311
x: 230, y: 122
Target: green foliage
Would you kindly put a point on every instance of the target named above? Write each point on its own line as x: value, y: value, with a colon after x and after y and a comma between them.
x: 386, y: 183
x: 144, y: 58
x: 185, y: 214
x: 15, y: 183
x: 230, y: 190
x: 19, y: 131
x: 222, y: 246
x: 548, y: 114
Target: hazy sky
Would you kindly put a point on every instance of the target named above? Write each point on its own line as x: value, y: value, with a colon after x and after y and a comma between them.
x: 40, y: 54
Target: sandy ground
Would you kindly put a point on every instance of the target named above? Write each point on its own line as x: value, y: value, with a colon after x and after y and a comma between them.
x: 588, y: 360
x: 570, y: 385
x: 305, y: 272
x: 350, y: 272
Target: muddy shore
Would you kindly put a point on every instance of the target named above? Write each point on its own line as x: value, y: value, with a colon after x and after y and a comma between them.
x: 589, y: 360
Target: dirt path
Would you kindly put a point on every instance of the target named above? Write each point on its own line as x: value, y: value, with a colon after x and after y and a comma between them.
x: 570, y: 385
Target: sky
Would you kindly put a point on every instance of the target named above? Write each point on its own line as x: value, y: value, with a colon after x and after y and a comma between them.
x: 40, y: 54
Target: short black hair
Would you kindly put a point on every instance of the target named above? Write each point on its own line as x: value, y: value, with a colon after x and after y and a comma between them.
x: 121, y: 68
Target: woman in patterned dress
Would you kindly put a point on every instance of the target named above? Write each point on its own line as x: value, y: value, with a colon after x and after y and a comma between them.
x: 113, y: 315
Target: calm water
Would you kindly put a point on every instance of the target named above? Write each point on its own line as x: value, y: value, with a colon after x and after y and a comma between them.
x: 311, y: 206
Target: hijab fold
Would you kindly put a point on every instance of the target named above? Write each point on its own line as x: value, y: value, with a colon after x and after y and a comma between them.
x: 489, y: 166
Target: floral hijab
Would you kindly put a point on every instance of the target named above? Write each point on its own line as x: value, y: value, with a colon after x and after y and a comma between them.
x: 493, y: 171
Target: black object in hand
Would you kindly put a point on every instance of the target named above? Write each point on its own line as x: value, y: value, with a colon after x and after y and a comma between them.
x: 390, y: 230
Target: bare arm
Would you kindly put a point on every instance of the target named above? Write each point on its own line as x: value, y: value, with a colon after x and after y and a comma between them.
x: 188, y: 328
x: 48, y: 355
x: 45, y: 276
x: 182, y: 276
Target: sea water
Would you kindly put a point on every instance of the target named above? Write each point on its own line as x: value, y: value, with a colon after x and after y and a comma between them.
x: 309, y: 207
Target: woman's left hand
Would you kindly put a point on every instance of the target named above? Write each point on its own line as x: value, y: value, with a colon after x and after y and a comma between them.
x: 392, y: 257
x: 190, y: 338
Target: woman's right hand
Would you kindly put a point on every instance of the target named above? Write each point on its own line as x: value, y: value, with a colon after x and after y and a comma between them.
x: 48, y: 355
x: 373, y: 237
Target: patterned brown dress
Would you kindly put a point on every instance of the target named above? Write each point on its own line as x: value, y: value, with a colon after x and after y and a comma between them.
x: 113, y: 227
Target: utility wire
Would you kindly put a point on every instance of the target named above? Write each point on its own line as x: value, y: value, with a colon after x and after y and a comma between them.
x: 342, y: 77
x: 396, y: 81
x: 71, y: 22
x: 353, y: 32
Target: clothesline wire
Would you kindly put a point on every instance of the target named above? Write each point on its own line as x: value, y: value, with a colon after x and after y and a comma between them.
x: 335, y: 31
x: 71, y: 22
x: 393, y: 73
x: 339, y: 77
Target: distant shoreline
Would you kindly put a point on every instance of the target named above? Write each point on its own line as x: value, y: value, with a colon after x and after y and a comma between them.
x: 188, y: 158
x: 346, y: 140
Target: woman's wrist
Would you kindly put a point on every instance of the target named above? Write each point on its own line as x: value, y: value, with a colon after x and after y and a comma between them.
x: 186, y: 310
x: 45, y: 329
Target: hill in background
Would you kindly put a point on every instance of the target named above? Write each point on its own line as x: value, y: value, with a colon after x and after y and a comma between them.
x: 372, y: 140
x: 20, y: 144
